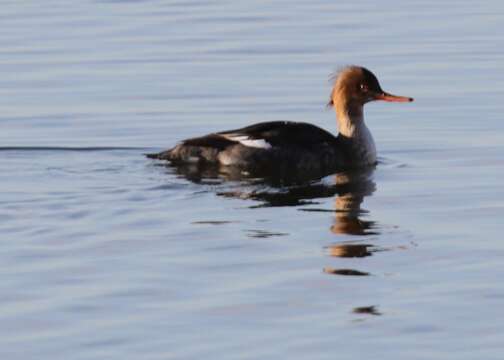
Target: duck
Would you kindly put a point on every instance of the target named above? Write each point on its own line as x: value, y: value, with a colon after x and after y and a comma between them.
x: 274, y: 146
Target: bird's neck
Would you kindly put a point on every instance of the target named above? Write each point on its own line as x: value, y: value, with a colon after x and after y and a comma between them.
x: 353, y: 130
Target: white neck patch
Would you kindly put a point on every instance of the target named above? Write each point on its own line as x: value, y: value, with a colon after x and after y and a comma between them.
x: 357, y: 130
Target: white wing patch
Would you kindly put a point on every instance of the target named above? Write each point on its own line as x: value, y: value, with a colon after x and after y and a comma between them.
x: 245, y: 140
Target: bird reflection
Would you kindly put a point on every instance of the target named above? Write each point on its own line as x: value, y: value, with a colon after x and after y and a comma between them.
x: 345, y: 272
x: 370, y: 310
x: 356, y: 186
x: 352, y: 250
x: 349, y: 189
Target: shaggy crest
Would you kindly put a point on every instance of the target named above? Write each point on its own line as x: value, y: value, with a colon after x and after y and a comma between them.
x: 351, y: 76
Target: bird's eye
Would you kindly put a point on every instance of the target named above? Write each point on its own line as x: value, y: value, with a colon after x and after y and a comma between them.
x: 363, y: 87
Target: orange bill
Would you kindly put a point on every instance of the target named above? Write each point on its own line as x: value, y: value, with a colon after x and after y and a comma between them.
x: 392, y: 98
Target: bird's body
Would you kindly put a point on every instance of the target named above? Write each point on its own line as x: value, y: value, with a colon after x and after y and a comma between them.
x: 294, y: 146
x: 268, y: 146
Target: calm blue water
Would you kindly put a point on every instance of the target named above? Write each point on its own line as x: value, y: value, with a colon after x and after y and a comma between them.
x: 108, y: 255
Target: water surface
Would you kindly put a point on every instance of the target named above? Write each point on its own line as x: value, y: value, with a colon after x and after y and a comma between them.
x: 107, y: 254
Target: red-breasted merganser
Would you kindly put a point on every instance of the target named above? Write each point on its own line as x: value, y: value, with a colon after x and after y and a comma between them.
x: 270, y: 146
